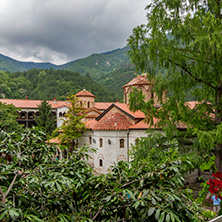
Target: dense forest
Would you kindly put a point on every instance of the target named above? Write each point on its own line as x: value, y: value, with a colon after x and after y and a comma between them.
x: 50, y: 83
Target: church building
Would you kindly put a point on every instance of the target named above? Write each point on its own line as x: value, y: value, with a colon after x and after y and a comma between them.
x: 112, y: 128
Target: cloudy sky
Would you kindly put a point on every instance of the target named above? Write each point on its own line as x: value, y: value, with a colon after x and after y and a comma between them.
x: 60, y: 31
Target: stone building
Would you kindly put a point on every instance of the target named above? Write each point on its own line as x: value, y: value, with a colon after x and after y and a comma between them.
x: 111, y: 127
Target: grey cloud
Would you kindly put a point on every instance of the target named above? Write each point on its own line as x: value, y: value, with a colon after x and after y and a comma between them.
x: 63, y: 30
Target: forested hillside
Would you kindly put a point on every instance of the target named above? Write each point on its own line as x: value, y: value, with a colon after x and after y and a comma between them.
x: 49, y: 83
x: 111, y: 69
x: 116, y: 79
x: 99, y: 64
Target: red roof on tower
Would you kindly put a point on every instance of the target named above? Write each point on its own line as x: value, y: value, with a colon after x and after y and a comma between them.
x: 139, y: 80
x: 85, y: 93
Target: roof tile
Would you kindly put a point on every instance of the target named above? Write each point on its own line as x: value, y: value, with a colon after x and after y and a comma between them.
x: 113, y: 121
x: 85, y: 93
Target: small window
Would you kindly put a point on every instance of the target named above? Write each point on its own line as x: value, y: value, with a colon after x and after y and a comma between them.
x: 121, y: 143
x: 90, y: 140
x: 100, y: 142
x: 88, y: 104
x: 100, y: 162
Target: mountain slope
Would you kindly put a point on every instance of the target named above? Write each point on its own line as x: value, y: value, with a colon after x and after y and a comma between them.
x: 99, y: 64
x: 12, y: 65
x: 116, y: 79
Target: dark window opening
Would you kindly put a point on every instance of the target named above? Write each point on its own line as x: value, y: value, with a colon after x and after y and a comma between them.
x: 121, y: 143
x: 100, y: 142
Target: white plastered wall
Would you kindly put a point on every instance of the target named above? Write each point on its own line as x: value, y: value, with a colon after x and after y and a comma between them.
x: 110, y: 152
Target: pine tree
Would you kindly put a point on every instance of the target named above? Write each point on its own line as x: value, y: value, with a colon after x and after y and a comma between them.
x: 45, y: 120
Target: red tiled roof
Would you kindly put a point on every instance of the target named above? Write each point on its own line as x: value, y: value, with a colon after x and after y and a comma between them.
x: 85, y: 93
x: 113, y: 121
x: 138, y: 114
x: 139, y: 80
x: 26, y: 103
x: 90, y: 124
x: 93, y: 109
x: 143, y: 125
x: 102, y: 105
x: 92, y: 116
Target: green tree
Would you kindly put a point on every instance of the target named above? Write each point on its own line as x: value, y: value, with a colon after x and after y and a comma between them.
x: 8, y: 115
x: 33, y: 185
x: 183, y: 39
x: 73, y: 127
x: 36, y: 187
x: 45, y: 120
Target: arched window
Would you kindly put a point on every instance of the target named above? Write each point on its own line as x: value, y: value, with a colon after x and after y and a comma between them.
x: 121, y: 143
x: 100, y: 162
x: 100, y: 142
x: 60, y: 114
x: 88, y: 104
x: 90, y: 140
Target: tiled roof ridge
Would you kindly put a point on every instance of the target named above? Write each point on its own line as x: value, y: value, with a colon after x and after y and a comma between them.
x: 113, y: 121
x: 139, y: 80
x: 85, y: 93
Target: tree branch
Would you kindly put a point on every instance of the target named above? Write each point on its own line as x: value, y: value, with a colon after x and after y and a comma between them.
x: 1, y: 192
x: 126, y: 184
x: 11, y: 185
x: 194, y: 77
x: 98, y: 212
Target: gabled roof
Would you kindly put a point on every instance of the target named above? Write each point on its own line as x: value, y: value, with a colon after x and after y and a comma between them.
x: 139, y: 80
x: 84, y: 93
x: 102, y: 105
x: 93, y: 109
x: 113, y: 121
x: 26, y: 103
x: 90, y: 124
x: 143, y: 125
x: 125, y: 109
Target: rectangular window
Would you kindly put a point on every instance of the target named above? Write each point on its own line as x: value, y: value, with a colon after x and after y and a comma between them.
x: 100, y: 142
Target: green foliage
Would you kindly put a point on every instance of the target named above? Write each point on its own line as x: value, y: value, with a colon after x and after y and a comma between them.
x: 34, y: 186
x: 73, y: 127
x: 8, y: 115
x: 47, y: 84
x: 183, y: 40
x: 45, y: 120
x: 117, y: 78
x: 155, y: 148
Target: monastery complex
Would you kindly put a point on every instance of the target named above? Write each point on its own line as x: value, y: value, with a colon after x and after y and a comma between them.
x: 111, y: 127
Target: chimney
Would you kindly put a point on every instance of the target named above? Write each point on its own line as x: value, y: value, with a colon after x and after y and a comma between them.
x: 54, y: 100
x: 117, y: 100
x: 26, y: 97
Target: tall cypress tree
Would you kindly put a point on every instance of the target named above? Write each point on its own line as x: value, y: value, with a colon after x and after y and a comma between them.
x: 45, y: 120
